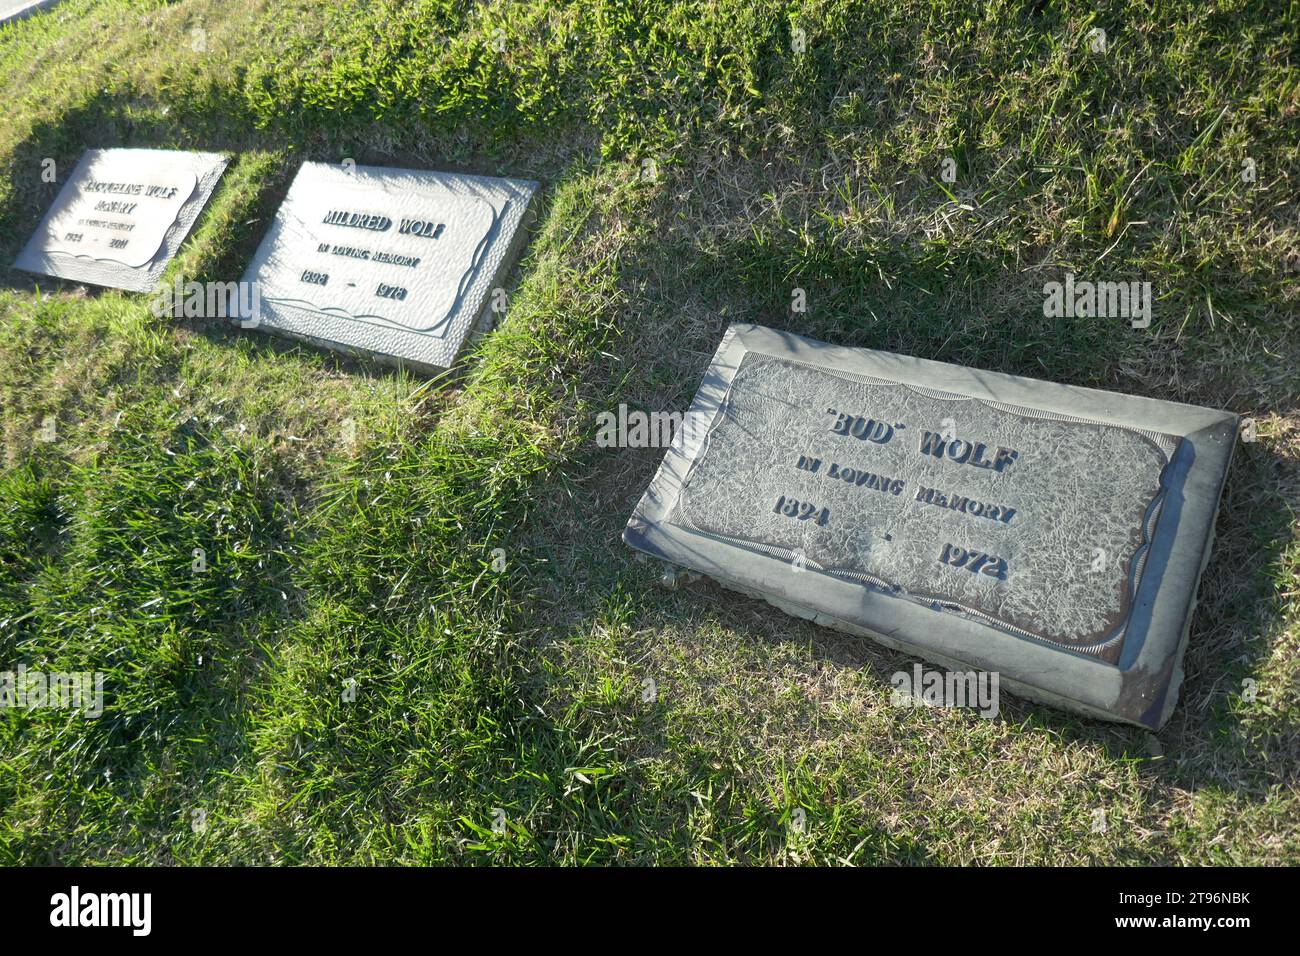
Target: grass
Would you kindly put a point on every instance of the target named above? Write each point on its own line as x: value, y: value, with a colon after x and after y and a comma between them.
x: 352, y: 680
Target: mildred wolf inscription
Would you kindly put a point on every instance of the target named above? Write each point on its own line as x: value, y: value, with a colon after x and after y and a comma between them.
x: 394, y: 263
x: 1050, y: 533
x: 121, y: 216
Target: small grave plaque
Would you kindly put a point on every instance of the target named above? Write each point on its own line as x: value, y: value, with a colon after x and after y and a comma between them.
x: 121, y: 216
x: 395, y: 263
x: 1050, y: 533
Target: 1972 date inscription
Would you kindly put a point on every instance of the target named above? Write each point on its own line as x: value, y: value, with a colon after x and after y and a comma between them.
x: 976, y: 562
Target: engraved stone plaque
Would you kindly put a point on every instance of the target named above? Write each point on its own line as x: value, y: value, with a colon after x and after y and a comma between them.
x: 122, y: 215
x: 1050, y: 533
x: 398, y: 264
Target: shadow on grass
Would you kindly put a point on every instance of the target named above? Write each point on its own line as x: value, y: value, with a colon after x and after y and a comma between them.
x: 105, y: 122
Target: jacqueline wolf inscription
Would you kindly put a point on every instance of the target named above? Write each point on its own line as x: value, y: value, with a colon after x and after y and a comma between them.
x: 1051, y: 533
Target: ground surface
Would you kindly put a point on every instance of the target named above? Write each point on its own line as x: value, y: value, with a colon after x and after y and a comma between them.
x: 697, y: 168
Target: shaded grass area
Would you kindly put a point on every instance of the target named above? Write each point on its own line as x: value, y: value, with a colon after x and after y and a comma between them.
x: 353, y: 679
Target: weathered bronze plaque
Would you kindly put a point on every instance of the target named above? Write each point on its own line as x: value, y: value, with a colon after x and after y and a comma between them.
x: 973, y: 517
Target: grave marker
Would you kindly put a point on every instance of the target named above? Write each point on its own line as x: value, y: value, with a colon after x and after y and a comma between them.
x: 121, y: 216
x: 397, y: 264
x: 1050, y: 533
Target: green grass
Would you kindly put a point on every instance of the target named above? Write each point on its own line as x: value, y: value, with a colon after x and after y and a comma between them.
x: 348, y: 513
